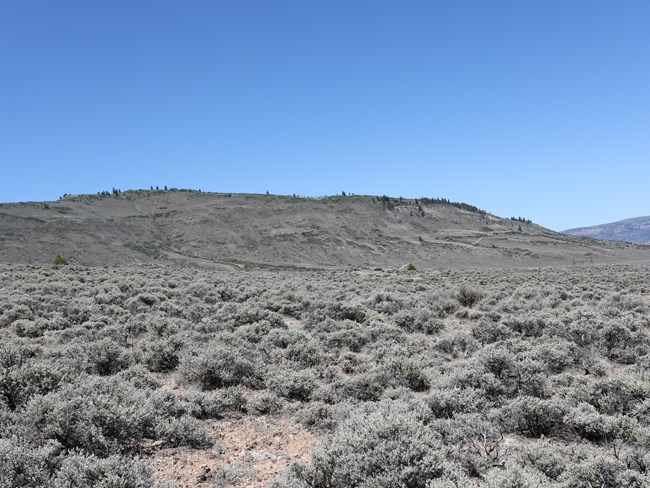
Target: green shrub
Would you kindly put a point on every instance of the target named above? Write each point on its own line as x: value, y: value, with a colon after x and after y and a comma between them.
x: 59, y: 261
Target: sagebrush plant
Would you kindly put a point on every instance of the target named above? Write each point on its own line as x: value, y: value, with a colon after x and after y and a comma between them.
x: 443, y: 378
x: 468, y: 297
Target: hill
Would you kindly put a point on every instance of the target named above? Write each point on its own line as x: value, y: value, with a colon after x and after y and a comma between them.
x: 636, y: 230
x: 251, y: 230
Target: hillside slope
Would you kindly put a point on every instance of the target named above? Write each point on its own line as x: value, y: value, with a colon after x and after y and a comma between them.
x: 636, y: 230
x: 241, y: 230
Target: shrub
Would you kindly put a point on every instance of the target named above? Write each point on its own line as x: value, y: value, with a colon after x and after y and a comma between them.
x: 349, y: 337
x: 282, y: 338
x: 545, y: 457
x: 603, y: 472
x: 103, y: 416
x: 446, y: 402
x: 163, y: 356
x: 365, y: 387
x: 30, y: 328
x: 489, y: 332
x: 558, y: 354
x: 457, y: 344
x: 384, y: 303
x: 183, y: 431
x: 586, y: 422
x: 317, y: 415
x: 265, y: 404
x: 473, y: 376
x: 292, y: 385
x: 305, y: 354
x: 383, y: 445
x: 515, y: 477
x: 25, y: 466
x: 22, y: 378
x: 220, y: 367
x: 418, y: 320
x: 59, y: 261
x: 113, y: 472
x: 534, y: 417
x: 468, y: 297
x: 13, y: 313
x: 620, y: 395
x: 517, y: 375
x: 213, y: 406
x: 106, y: 357
x: 409, y: 373
x: 139, y: 377
x: 473, y: 442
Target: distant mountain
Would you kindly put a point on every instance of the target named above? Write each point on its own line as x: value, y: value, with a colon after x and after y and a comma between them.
x: 635, y: 230
x: 251, y: 230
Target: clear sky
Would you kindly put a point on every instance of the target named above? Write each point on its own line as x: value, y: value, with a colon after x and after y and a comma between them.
x: 532, y: 108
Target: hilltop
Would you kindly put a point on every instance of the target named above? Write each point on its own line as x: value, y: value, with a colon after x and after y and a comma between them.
x: 636, y: 230
x: 253, y: 230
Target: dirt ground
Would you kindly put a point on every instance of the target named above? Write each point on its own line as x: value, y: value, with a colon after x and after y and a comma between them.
x: 248, y: 452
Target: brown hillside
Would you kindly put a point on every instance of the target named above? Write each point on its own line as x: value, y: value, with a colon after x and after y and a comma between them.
x: 243, y: 230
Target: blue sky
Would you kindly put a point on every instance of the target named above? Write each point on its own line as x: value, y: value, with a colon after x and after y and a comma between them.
x: 533, y: 108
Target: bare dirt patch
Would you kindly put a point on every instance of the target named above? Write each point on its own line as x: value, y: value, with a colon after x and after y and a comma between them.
x: 247, y: 452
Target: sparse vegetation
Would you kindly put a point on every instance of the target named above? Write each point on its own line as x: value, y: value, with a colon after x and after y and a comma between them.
x: 189, y: 227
